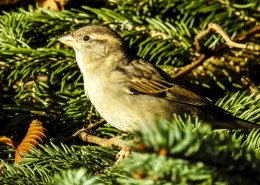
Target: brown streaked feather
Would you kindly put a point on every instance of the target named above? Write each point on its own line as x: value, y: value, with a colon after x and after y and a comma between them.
x: 148, y: 79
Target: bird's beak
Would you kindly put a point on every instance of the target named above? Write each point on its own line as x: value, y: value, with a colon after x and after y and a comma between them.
x: 68, y: 40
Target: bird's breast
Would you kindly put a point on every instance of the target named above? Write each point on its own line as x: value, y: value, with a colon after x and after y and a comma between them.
x: 107, y: 101
x: 117, y: 107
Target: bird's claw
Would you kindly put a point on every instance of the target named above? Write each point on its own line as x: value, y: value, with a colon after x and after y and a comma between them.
x: 124, y: 152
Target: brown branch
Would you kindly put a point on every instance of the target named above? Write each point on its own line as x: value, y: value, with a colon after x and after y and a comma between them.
x: 215, y: 27
x: 203, y: 56
x: 85, y: 136
x: 90, y: 127
x: 96, y: 125
x: 190, y: 67
x: 115, y: 141
x: 251, y: 33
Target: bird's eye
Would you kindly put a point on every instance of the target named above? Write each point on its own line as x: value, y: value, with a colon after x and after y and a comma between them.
x: 86, y: 38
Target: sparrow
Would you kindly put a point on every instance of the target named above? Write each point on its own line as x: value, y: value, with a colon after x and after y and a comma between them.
x: 131, y: 93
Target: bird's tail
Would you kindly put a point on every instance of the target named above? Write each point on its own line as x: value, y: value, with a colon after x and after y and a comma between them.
x: 232, y: 122
x: 246, y: 124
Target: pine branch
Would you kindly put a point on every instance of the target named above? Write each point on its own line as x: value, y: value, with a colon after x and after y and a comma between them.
x: 40, y: 80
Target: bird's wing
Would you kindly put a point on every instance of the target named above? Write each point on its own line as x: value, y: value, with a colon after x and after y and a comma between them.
x: 148, y: 79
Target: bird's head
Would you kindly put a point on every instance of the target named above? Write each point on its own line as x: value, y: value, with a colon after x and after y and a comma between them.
x: 94, y: 43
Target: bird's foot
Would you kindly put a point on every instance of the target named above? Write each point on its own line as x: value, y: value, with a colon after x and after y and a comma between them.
x: 124, y: 152
x: 115, y: 141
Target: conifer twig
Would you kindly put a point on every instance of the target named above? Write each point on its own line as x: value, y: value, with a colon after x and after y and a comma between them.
x: 90, y: 127
x: 95, y: 125
x: 115, y: 141
x: 216, y: 28
x: 204, y: 55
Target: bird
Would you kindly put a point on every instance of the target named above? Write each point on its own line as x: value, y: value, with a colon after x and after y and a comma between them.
x: 131, y: 93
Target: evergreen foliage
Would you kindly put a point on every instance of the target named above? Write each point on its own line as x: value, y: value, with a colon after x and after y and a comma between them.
x: 39, y: 79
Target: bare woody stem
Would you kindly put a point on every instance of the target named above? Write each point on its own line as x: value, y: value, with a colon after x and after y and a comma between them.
x: 202, y: 55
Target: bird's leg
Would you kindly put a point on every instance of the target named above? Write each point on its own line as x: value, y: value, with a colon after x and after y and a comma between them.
x: 115, y: 141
